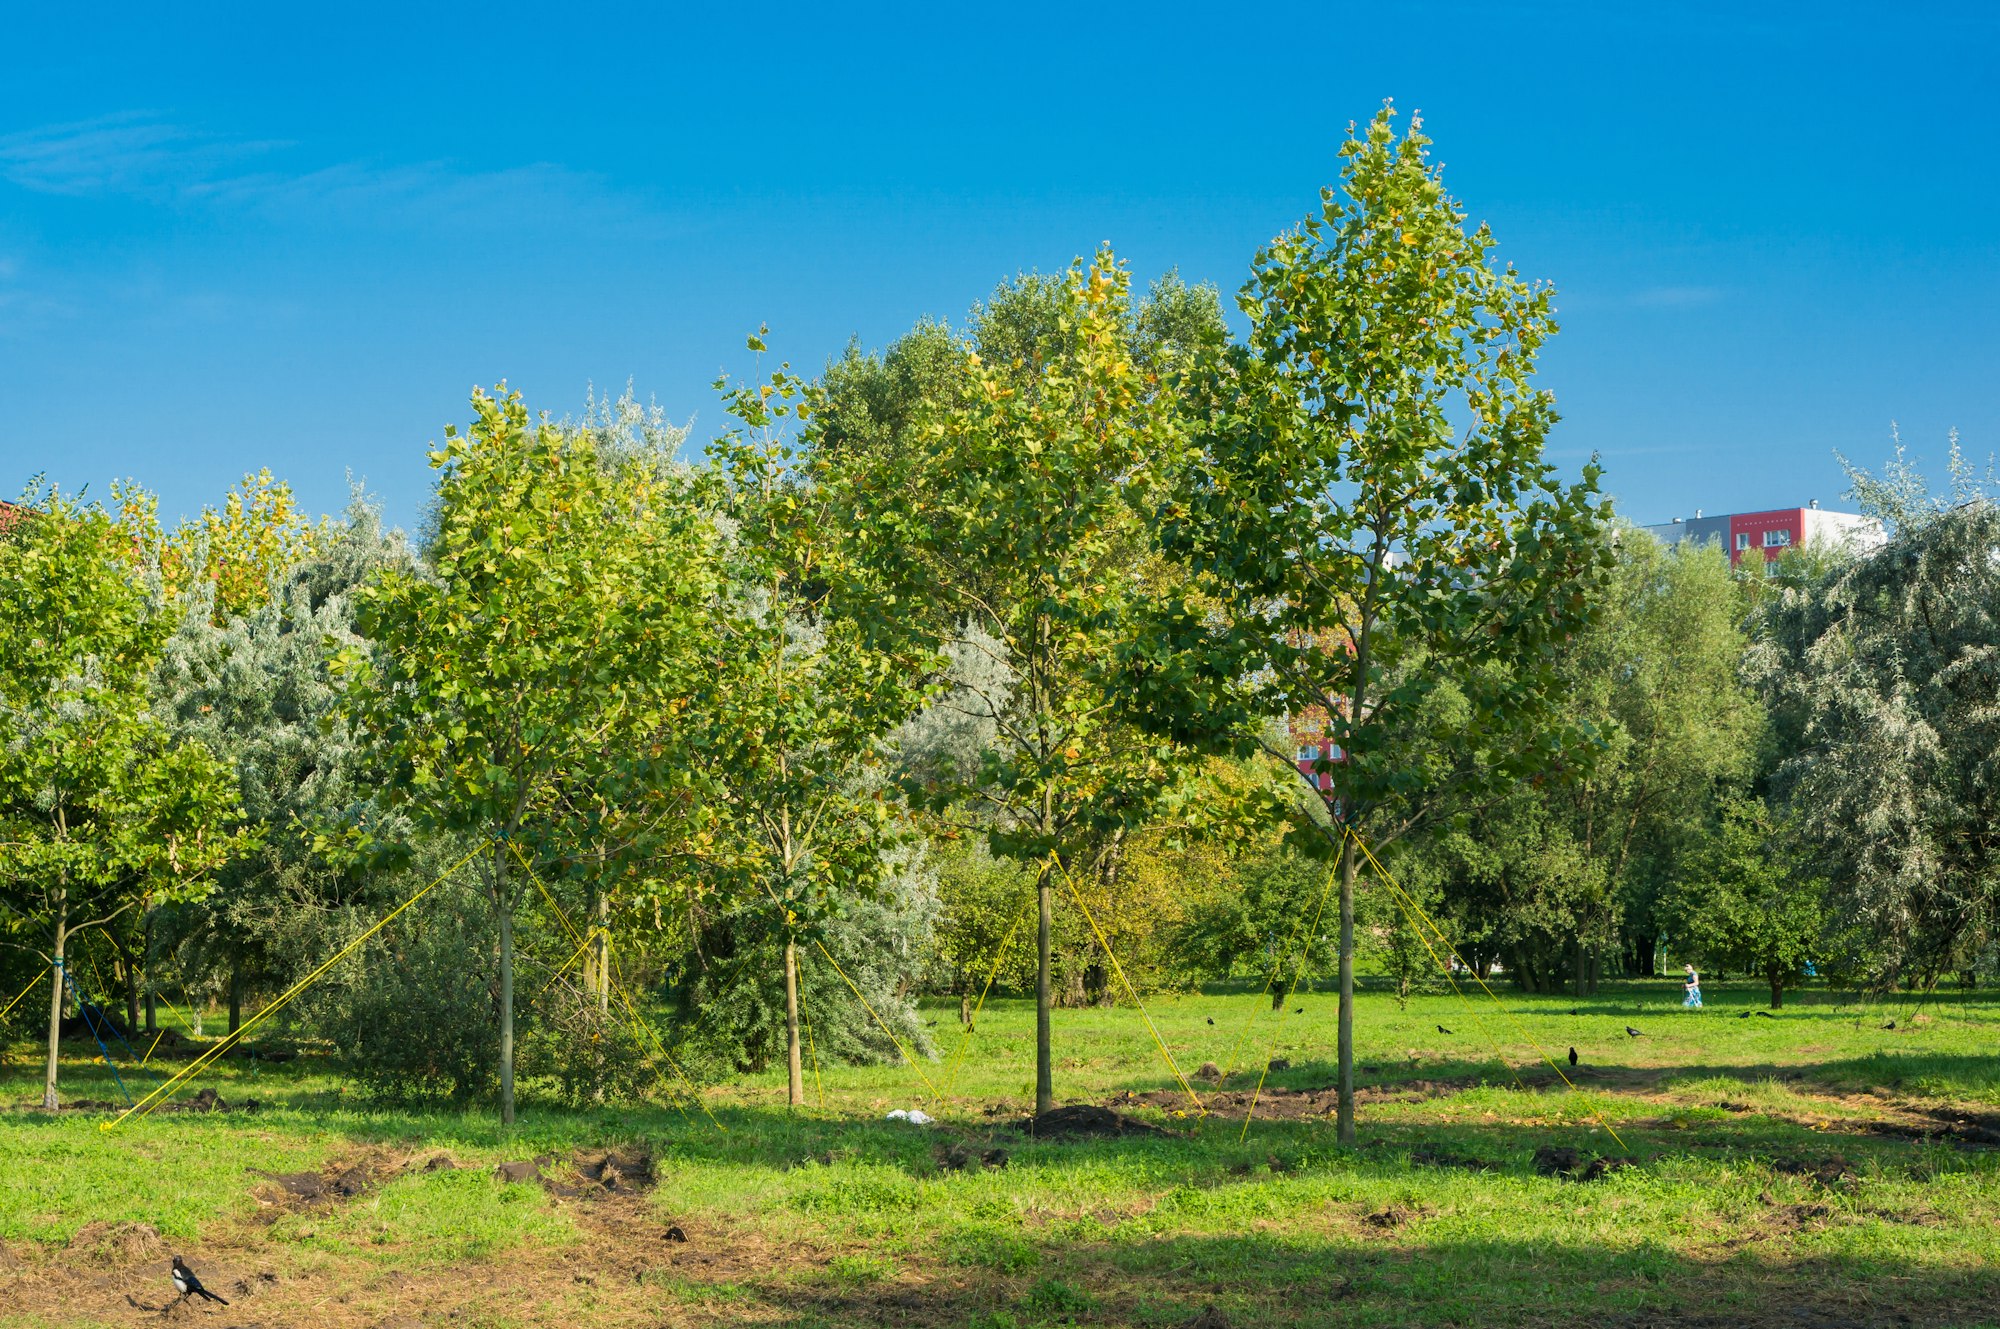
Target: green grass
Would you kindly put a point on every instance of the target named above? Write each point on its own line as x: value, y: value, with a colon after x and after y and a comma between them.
x: 834, y: 1216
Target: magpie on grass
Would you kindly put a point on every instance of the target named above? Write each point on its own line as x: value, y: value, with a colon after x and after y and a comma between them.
x: 1443, y: 1030
x: 188, y: 1285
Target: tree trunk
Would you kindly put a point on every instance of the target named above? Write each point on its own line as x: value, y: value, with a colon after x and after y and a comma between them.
x: 600, y: 944
x: 152, y: 1015
x: 965, y: 1010
x: 504, y: 904
x: 1345, y: 1131
x: 795, y: 1079
x: 56, y: 1001
x: 1596, y: 964
x: 131, y: 982
x: 1777, y: 989
x: 1278, y: 992
x: 1045, y: 1094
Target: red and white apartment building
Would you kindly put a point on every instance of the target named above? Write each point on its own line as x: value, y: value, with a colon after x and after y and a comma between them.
x: 1773, y: 532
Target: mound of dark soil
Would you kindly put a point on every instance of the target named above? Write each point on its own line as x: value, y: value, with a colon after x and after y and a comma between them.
x: 305, y: 1188
x: 1085, y: 1120
x: 587, y: 1174
x: 1828, y: 1171
x: 1558, y: 1161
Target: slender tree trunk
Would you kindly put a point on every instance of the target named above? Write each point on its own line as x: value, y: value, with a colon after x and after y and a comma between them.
x: 152, y: 1013
x: 795, y: 1079
x: 965, y: 1009
x: 601, y: 946
x: 1596, y: 962
x: 1777, y: 990
x: 504, y: 903
x: 1345, y: 1133
x: 1045, y: 1093
x: 131, y: 981
x: 56, y: 1001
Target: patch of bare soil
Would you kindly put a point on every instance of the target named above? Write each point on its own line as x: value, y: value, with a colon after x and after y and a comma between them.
x: 1084, y: 1120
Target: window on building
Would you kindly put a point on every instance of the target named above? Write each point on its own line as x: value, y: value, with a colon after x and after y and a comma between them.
x: 1777, y: 539
x: 1743, y: 540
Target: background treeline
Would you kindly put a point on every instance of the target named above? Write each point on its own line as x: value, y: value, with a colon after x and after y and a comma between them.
x: 1011, y: 628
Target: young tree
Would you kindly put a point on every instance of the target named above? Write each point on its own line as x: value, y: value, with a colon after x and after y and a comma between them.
x: 101, y: 812
x: 805, y: 695
x: 546, y: 643
x: 1015, y: 510
x: 1387, y: 559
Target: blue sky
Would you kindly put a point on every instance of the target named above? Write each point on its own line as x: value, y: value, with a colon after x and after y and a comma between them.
x: 244, y: 236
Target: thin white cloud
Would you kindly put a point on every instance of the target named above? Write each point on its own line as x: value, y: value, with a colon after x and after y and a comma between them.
x: 142, y: 155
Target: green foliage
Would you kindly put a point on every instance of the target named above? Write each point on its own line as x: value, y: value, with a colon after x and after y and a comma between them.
x: 1881, y: 675
x: 527, y: 678
x: 1743, y: 905
x: 1382, y: 553
x: 101, y: 811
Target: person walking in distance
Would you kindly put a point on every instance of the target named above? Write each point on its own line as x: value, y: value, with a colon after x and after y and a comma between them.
x: 1693, y: 1001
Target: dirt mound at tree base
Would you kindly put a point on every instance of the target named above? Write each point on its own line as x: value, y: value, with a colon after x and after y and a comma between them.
x: 308, y: 1188
x: 586, y: 1174
x: 1084, y: 1120
x: 1560, y: 1161
x: 118, y: 1243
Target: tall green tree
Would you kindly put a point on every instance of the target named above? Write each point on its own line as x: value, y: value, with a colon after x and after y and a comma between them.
x: 545, y: 644
x: 1016, y: 509
x: 1384, y: 554
x: 806, y: 695
x: 101, y: 811
x: 1883, y: 675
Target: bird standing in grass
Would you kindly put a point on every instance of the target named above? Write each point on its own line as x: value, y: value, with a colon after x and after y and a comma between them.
x: 1572, y: 1057
x: 188, y: 1285
x: 1630, y: 1030
x: 1443, y: 1030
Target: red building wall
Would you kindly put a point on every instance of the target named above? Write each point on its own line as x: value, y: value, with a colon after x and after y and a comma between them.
x: 1757, y: 526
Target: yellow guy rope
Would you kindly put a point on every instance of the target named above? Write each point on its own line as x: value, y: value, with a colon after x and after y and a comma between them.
x: 1229, y: 1066
x: 567, y: 963
x: 965, y: 1039
x: 1119, y: 969
x: 935, y: 1100
x: 1382, y: 874
x: 1297, y: 965
x: 32, y: 983
x: 152, y: 1100
x: 811, y: 1051
x: 639, y: 1026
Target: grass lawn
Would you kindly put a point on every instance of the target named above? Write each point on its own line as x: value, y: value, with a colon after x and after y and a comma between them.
x: 1813, y: 1168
